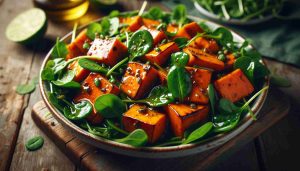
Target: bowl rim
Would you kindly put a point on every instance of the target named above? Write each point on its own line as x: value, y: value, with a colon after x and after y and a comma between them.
x: 125, y: 148
x: 214, y: 17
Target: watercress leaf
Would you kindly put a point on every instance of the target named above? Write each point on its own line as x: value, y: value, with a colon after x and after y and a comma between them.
x: 179, y: 15
x: 59, y: 50
x: 47, y: 74
x: 243, y: 63
x: 159, y: 96
x: 179, y: 82
x: 212, y: 97
x: 136, y: 138
x: 199, y: 133
x: 66, y: 80
x: 224, y: 123
x: 34, y: 143
x: 55, y: 101
x: 93, y: 29
x: 92, y: 66
x: 153, y: 13
x: 223, y: 36
x: 25, y: 88
x: 114, y: 25
x: 227, y: 107
x: 110, y: 106
x: 114, y: 13
x: 179, y: 59
x: 181, y: 41
x: 105, y: 24
x: 140, y: 43
x: 78, y: 111
x: 280, y: 81
x: 96, y: 130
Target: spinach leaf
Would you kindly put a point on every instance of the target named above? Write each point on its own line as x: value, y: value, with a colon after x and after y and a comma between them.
x: 78, y: 111
x: 136, y: 138
x: 93, y: 30
x: 66, y: 80
x: 92, y: 66
x: 179, y: 82
x: 159, y: 96
x: 140, y: 43
x: 97, y: 130
x: 55, y: 101
x: 212, y: 97
x: 180, y: 59
x: 198, y: 133
x: 105, y: 25
x: 114, y: 13
x: 26, y: 88
x: 34, y: 143
x: 226, y: 106
x: 179, y: 15
x: 223, y: 36
x: 110, y: 106
x: 181, y: 41
x: 59, y: 50
x: 114, y: 127
x: 154, y: 13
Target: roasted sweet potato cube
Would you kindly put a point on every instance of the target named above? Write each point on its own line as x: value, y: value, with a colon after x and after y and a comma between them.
x: 157, y: 35
x: 161, y: 57
x: 80, y: 73
x: 189, y: 30
x: 200, y: 80
x: 81, y: 39
x: 94, y: 117
x: 202, y: 59
x: 182, y: 116
x: 230, y: 59
x: 171, y: 28
x: 151, y: 24
x: 162, y: 76
x: 151, y: 121
x: 90, y: 91
x: 138, y: 80
x: 110, y: 51
x: 134, y: 23
x: 234, y: 86
x: 208, y: 45
x: 73, y: 51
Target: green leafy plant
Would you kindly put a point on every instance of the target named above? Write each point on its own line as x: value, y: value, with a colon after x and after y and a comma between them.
x: 179, y: 59
x: 110, y: 106
x: 34, y: 143
x: 198, y: 133
x: 140, y: 43
x: 78, y: 111
x: 26, y: 88
x: 66, y: 80
x: 59, y: 50
x: 136, y: 138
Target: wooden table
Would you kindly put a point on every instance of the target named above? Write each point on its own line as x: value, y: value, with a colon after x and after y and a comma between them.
x: 276, y: 149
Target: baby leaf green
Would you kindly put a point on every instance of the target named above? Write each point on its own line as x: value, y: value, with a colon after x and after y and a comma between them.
x: 199, y: 133
x: 136, y: 138
x: 110, y: 106
x: 34, y: 143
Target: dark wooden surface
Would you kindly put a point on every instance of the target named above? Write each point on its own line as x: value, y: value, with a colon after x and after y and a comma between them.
x: 276, y: 149
x: 90, y: 158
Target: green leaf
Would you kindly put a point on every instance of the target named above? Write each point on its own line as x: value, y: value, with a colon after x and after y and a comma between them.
x: 223, y: 36
x: 181, y: 41
x: 105, y: 24
x: 212, y: 97
x: 92, y: 66
x: 110, y: 106
x: 227, y: 107
x: 93, y: 29
x: 55, y: 101
x: 159, y: 96
x: 179, y: 15
x: 224, y: 123
x: 47, y: 74
x: 114, y: 13
x: 66, y: 80
x: 136, y: 138
x: 78, y: 111
x: 34, y: 143
x: 199, y: 133
x: 154, y: 13
x: 59, y: 50
x: 140, y: 43
x: 25, y: 88
x: 180, y: 59
x: 179, y: 82
x: 114, y: 25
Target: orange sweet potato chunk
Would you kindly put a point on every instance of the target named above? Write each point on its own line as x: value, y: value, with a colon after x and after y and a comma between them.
x: 210, y: 46
x: 94, y: 117
x: 234, y: 86
x: 200, y: 80
x: 189, y: 30
x: 73, y: 51
x: 110, y: 51
x: 182, y: 116
x: 151, y: 121
x: 80, y: 73
x: 138, y: 80
x: 162, y: 56
x: 80, y: 40
x: 157, y: 35
x: 230, y: 59
x: 202, y: 59
x: 134, y: 23
x: 151, y: 24
x: 172, y: 28
x: 162, y: 76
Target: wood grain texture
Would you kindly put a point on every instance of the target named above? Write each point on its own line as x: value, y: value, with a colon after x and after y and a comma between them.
x: 90, y: 158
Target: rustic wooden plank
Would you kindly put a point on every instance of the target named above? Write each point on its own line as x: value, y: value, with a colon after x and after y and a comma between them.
x: 92, y: 159
x: 14, y: 69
